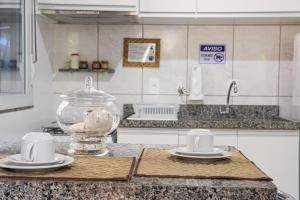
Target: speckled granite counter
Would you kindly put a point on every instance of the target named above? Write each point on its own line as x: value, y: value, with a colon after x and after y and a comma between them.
x: 208, y: 116
x: 137, y: 187
x: 277, y: 124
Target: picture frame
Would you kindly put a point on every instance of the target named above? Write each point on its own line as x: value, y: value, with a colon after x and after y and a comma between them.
x: 141, y: 52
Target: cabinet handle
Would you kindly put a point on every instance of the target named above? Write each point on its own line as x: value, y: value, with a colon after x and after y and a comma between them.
x: 33, y: 34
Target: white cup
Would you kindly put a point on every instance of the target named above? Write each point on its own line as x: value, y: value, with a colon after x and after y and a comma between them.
x: 37, y: 147
x: 200, y: 140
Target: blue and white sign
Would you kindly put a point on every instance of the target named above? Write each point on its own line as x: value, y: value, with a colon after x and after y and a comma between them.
x: 212, y: 54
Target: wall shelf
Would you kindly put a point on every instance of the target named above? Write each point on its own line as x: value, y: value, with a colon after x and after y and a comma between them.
x: 110, y: 71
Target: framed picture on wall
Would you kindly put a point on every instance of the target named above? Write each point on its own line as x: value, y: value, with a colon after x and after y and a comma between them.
x: 141, y: 52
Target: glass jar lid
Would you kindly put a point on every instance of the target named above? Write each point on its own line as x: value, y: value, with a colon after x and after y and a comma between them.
x: 89, y: 93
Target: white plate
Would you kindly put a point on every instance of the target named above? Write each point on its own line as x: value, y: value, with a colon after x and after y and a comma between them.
x: 223, y: 155
x: 16, y: 159
x: 183, y: 150
x: 4, y: 163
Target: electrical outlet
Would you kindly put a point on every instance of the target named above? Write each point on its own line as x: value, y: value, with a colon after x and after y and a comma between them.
x: 234, y: 90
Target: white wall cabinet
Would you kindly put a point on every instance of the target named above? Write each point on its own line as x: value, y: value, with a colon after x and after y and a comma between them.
x: 276, y: 153
x: 147, y: 136
x: 167, y: 6
x: 222, y: 137
x: 107, y: 5
x: 171, y: 136
x: 219, y: 11
x: 248, y: 6
x: 219, y: 6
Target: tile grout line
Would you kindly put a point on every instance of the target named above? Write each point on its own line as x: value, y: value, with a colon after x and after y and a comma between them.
x: 232, y: 51
x: 142, y: 83
x: 166, y: 24
x: 279, y: 64
x: 98, y: 50
x: 187, y: 62
x: 136, y: 94
x: 98, y: 45
x: 212, y: 95
x: 232, y: 57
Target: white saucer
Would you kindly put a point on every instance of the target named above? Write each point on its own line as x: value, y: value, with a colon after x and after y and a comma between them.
x: 4, y: 163
x: 16, y: 159
x: 183, y: 150
x: 224, y: 154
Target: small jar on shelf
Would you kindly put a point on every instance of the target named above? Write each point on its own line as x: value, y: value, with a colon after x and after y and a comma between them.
x: 83, y: 64
x: 96, y: 65
x: 104, y: 64
x: 74, y: 61
x: 67, y: 63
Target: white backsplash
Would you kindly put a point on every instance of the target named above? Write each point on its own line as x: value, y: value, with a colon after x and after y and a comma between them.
x: 259, y: 57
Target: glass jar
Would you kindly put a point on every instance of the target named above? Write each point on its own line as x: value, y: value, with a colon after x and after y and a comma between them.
x: 74, y: 61
x: 96, y: 65
x: 104, y: 64
x: 67, y: 63
x: 83, y: 65
x: 88, y: 116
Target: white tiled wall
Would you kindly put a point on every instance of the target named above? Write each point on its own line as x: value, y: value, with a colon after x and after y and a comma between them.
x: 173, y: 65
x: 124, y: 80
x: 259, y: 57
x: 70, y: 39
x: 215, y: 76
x: 256, y: 60
x: 286, y: 58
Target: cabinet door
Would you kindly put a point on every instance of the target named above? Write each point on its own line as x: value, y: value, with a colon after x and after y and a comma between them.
x: 276, y: 153
x: 222, y: 137
x: 104, y: 5
x: 237, y: 6
x: 147, y: 136
x: 89, y: 2
x: 167, y: 6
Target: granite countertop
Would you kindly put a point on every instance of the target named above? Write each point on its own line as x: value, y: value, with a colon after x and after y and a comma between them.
x: 277, y: 124
x: 208, y: 116
x: 137, y: 187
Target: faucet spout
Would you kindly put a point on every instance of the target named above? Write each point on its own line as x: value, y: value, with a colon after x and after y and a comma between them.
x: 233, y: 85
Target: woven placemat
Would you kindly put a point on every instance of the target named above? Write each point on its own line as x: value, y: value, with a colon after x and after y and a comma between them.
x: 159, y: 163
x: 83, y: 168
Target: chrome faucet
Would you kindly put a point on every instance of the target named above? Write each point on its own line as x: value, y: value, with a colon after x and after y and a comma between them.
x: 183, y: 91
x: 235, y: 90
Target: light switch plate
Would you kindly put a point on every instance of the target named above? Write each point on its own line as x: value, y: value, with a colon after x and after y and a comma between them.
x: 154, y: 85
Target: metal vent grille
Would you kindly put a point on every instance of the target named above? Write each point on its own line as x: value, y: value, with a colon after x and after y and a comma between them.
x: 155, y: 112
x: 159, y: 110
